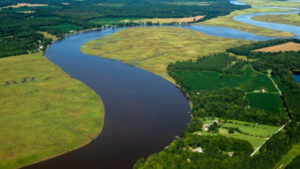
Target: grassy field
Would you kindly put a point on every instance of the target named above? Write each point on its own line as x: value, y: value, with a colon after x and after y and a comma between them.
x: 153, y: 48
x: 252, y: 129
x: 227, y: 21
x: 254, y: 141
x: 255, y: 134
x: 202, y: 80
x: 291, y: 19
x: 43, y: 112
x: 48, y: 35
x: 287, y: 158
x: 268, y: 102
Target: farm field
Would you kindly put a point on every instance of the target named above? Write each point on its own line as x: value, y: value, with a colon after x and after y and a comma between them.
x: 227, y: 21
x: 153, y: 48
x: 203, y: 80
x: 266, y: 101
x: 44, y: 112
x: 292, y: 19
x: 289, y: 46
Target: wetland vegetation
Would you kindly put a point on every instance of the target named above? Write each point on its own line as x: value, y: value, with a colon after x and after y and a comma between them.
x: 39, y: 117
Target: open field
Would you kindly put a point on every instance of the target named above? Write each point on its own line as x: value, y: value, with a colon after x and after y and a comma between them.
x: 227, y: 21
x: 289, y: 46
x: 48, y: 35
x: 153, y: 48
x: 43, y: 112
x: 268, y: 102
x: 287, y: 158
x: 253, y: 129
x: 291, y: 19
x: 253, y: 140
x: 203, y: 80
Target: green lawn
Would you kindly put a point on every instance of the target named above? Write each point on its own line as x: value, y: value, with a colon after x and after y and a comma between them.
x: 252, y: 128
x: 153, y: 48
x: 255, y: 134
x: 287, y: 158
x: 203, y: 80
x: 254, y: 141
x: 45, y: 115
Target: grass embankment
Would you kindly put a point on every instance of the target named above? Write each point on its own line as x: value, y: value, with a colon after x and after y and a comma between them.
x: 288, y: 158
x: 291, y: 19
x: 43, y: 112
x: 228, y: 21
x: 153, y: 48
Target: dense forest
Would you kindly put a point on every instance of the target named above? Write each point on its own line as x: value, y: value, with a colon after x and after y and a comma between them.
x: 19, y: 26
x: 231, y: 103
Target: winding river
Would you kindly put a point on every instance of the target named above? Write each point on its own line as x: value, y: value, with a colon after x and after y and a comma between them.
x: 143, y: 113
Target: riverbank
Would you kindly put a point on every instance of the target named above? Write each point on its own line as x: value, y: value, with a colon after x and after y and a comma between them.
x: 40, y: 117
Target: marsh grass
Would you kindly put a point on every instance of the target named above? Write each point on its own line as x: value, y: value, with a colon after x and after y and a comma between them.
x: 291, y: 19
x: 45, y: 115
x: 153, y: 48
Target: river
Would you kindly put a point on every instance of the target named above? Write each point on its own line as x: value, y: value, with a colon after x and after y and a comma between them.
x: 143, y: 112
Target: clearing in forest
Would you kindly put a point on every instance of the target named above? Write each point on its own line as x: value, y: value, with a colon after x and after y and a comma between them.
x: 289, y: 46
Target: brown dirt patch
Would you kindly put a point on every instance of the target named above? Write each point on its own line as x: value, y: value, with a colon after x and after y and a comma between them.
x: 289, y: 46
